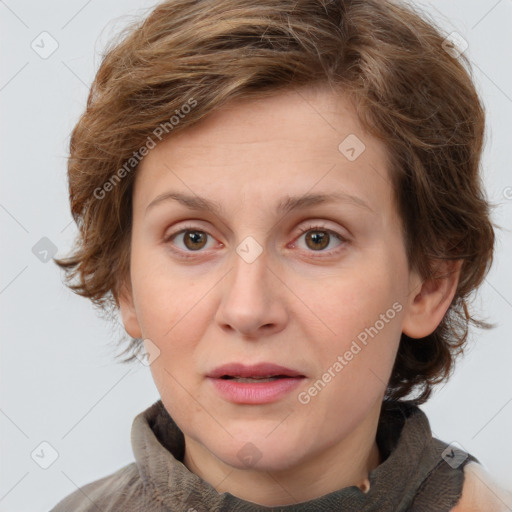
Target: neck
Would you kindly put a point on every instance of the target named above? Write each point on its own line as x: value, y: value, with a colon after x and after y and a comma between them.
x: 344, y: 464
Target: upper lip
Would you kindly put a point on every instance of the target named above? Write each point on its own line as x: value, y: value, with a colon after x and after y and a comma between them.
x: 255, y: 370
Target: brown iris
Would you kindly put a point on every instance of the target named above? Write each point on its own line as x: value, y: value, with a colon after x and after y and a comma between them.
x: 195, y: 240
x: 317, y: 237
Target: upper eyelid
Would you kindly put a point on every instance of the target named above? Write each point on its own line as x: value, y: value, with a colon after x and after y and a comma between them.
x: 197, y: 227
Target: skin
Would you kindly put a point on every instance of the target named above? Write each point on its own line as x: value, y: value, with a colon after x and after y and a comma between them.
x: 298, y: 304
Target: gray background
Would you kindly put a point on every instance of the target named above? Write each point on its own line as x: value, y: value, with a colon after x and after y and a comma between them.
x: 59, y: 382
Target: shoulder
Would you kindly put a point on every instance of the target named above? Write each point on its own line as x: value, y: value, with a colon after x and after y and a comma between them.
x: 480, y: 493
x: 118, y: 491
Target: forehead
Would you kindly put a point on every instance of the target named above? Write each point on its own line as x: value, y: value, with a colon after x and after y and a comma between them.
x: 299, y: 140
x: 286, y: 118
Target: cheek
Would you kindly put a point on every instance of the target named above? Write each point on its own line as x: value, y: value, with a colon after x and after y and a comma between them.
x: 173, y: 313
x: 172, y: 320
x: 361, y: 316
x: 165, y: 297
x: 354, y: 300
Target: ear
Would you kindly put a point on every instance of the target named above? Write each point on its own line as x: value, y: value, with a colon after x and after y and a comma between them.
x: 128, y: 311
x: 428, y: 305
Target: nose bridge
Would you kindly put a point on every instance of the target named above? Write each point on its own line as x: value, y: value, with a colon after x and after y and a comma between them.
x: 251, y: 253
x: 250, y: 262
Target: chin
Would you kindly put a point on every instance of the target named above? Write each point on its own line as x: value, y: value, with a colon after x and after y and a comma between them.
x: 259, y: 454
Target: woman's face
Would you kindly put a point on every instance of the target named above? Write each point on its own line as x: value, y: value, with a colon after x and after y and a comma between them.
x: 300, y: 263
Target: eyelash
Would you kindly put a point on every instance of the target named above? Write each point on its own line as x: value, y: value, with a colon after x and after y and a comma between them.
x: 311, y: 227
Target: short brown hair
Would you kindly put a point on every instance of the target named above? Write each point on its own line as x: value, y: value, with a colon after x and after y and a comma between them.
x: 410, y: 93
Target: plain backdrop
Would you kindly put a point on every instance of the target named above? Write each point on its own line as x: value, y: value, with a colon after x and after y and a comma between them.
x: 60, y: 383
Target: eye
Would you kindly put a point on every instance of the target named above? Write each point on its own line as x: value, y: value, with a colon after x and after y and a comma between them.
x: 317, y: 238
x: 193, y: 239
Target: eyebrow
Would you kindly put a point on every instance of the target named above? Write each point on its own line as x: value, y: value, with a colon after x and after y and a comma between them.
x: 286, y: 205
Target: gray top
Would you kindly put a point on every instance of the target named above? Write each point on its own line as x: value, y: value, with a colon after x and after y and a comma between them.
x: 418, y: 473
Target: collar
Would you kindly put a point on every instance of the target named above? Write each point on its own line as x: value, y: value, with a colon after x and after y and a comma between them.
x: 405, y: 442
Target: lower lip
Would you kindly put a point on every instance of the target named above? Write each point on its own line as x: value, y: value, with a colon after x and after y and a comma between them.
x: 257, y: 392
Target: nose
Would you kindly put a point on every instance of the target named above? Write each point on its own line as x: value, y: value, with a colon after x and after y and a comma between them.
x: 252, y: 301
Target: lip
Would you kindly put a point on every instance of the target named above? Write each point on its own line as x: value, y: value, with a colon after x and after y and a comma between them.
x: 257, y: 392
x: 255, y: 370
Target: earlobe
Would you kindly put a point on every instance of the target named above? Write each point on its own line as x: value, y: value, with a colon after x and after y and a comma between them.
x: 430, y: 299
x: 128, y: 312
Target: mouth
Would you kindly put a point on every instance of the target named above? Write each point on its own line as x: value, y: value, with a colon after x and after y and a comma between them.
x: 256, y: 384
x: 254, y: 380
x: 255, y: 373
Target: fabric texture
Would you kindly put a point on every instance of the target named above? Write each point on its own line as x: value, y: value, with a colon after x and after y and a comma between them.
x: 418, y: 473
